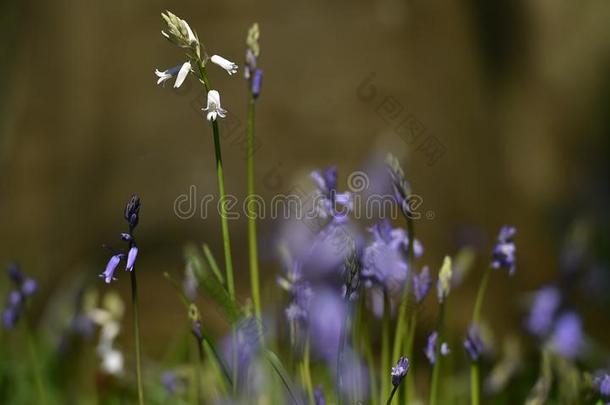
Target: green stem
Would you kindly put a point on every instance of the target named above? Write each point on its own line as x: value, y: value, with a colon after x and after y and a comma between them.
x: 391, y: 395
x: 476, y: 316
x: 35, y: 366
x: 252, y: 240
x: 410, y: 379
x: 224, y: 221
x: 438, y: 358
x: 307, y: 373
x: 199, y: 371
x: 136, y: 335
x: 402, y: 312
x: 474, y: 383
x: 384, y: 364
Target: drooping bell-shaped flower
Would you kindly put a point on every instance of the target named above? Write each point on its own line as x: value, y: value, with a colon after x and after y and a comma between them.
x: 227, y: 65
x: 131, y: 258
x: 182, y: 73
x: 113, y: 263
x: 543, y: 310
x: 213, y: 107
x: 567, y: 339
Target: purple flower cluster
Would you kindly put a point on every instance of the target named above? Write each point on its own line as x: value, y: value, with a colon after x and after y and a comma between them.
x: 543, y: 310
x: 567, y: 338
x: 422, y: 283
x: 562, y: 330
x: 504, y: 251
x: 25, y: 287
x: 132, y: 216
x: 330, y: 203
x: 602, y: 382
x: 319, y: 397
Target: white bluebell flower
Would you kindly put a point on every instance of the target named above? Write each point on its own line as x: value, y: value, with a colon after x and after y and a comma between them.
x: 227, y: 65
x: 213, y: 108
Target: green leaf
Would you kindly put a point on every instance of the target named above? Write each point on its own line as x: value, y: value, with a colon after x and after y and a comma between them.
x: 210, y: 285
x: 284, y: 376
x: 212, y: 263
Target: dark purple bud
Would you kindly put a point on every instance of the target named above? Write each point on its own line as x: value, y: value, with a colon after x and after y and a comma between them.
x: 132, y: 211
x: 399, y: 371
x: 474, y: 344
x: 257, y: 83
x: 15, y: 274
x: 196, y: 329
x: 126, y: 237
x: 504, y: 251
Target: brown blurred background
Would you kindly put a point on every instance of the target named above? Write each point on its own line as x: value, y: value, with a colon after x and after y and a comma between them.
x: 517, y: 92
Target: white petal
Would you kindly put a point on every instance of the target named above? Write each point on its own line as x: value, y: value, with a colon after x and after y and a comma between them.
x: 184, y: 70
x: 192, y: 38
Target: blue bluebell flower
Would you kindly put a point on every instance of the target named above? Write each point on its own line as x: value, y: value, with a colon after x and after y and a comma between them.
x: 401, y: 187
x: 327, y: 317
x: 132, y: 216
x: 430, y: 349
x: 602, y: 382
x: 244, y: 343
x: 24, y: 287
x: 355, y: 377
x: 567, y: 338
x: 257, y: 83
x: 543, y: 310
x: 504, y: 251
x: 399, y: 371
x: 473, y: 343
x: 384, y: 261
x: 172, y: 383
x: 112, y: 265
x: 327, y: 201
x: 422, y: 283
x: 319, y: 397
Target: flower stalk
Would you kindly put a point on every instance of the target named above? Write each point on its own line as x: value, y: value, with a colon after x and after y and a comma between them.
x: 136, y: 335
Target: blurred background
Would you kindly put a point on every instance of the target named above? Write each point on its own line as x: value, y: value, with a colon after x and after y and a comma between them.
x: 515, y: 94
